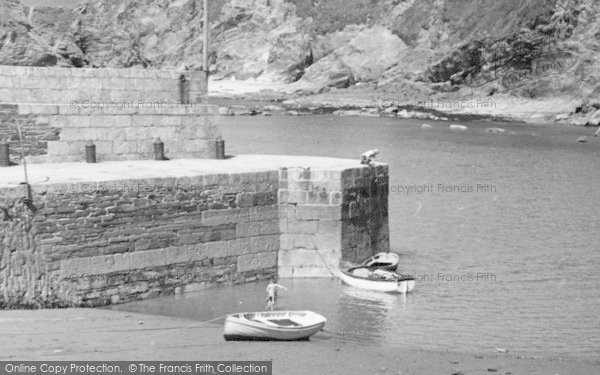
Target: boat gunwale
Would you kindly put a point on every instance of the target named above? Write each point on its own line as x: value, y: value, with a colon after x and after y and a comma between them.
x: 401, y: 279
x: 374, y: 257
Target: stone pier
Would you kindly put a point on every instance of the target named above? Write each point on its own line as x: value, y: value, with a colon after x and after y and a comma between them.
x: 119, y: 231
x: 131, y: 227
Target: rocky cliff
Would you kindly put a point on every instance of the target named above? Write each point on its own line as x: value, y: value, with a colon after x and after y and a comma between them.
x: 528, y: 48
x: 29, y: 36
x: 19, y: 43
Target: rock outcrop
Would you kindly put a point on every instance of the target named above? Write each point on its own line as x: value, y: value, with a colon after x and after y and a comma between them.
x: 37, y: 36
x: 248, y: 39
x: 527, y: 48
x: 555, y: 53
x: 20, y: 44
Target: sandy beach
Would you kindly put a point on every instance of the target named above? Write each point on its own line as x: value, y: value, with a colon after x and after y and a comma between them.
x: 97, y: 334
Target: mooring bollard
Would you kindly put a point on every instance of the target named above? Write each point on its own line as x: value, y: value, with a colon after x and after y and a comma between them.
x: 159, y: 150
x: 90, y: 152
x: 4, y: 154
x: 220, y: 148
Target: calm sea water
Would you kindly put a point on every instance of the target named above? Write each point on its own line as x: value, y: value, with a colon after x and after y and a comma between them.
x: 502, y: 232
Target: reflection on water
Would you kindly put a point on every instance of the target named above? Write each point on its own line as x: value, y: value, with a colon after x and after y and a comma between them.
x: 537, y: 232
x: 364, y: 314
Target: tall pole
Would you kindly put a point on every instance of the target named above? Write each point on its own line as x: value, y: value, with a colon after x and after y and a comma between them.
x: 205, y: 44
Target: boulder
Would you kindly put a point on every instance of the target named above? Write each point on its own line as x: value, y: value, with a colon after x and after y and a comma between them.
x: 370, y: 53
x: 578, y: 121
x: 594, y: 119
x: 364, y: 55
x: 70, y: 54
x: 328, y: 72
x: 403, y: 114
x: 347, y: 112
x: 225, y: 111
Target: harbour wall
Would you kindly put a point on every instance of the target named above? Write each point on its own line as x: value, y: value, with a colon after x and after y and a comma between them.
x: 59, y: 133
x: 121, y: 111
x: 98, y: 87
x: 97, y: 243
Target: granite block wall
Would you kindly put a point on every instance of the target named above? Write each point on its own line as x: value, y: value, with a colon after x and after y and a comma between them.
x: 122, y: 111
x: 24, y: 84
x: 328, y: 215
x: 95, y: 244
x: 310, y: 218
x: 59, y: 133
x: 188, y: 131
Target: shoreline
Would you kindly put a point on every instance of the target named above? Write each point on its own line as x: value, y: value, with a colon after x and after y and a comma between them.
x: 365, y: 101
x: 120, y: 335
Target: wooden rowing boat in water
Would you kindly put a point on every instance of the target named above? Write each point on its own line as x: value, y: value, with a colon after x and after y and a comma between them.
x: 384, y: 261
x: 273, y: 325
x: 378, y: 280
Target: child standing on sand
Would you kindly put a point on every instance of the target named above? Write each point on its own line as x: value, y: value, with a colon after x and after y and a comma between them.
x: 272, y: 293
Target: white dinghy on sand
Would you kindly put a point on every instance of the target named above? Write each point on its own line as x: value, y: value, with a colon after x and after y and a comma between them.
x: 273, y: 325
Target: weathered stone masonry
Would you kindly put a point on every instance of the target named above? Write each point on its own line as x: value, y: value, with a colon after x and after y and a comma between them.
x: 35, y: 127
x: 117, y: 241
x: 59, y: 133
x: 121, y: 110
x: 95, y: 244
x: 129, y: 133
x: 327, y: 215
x: 27, y: 84
x: 365, y: 212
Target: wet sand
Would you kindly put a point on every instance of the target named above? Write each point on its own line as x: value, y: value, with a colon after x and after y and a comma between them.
x: 98, y: 334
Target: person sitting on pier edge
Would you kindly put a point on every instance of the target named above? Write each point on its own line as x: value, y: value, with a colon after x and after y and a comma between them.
x: 368, y: 156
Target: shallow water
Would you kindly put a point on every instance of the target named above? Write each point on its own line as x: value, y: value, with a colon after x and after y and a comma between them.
x: 514, y: 264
